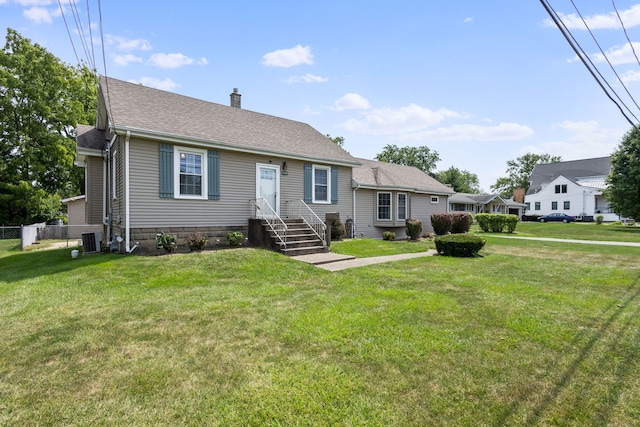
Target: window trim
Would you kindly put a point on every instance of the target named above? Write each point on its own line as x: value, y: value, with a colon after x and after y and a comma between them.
x: 313, y: 184
x: 204, y: 194
x: 378, y: 194
x: 406, y: 206
x: 554, y: 206
x: 435, y: 199
x: 537, y: 206
x: 567, y: 205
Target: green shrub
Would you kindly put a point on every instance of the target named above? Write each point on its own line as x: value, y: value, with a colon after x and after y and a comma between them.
x: 414, y: 228
x: 459, y: 245
x: 166, y: 241
x: 599, y: 219
x: 235, y: 238
x: 337, y: 229
x: 460, y: 222
x: 496, y: 223
x: 197, y: 241
x: 441, y: 223
x: 388, y: 235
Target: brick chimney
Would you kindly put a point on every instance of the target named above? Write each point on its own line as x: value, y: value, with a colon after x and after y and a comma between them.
x: 518, y: 195
x: 235, y: 98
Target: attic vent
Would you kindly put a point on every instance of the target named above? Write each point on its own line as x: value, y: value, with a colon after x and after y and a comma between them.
x: 235, y: 98
x: 91, y: 242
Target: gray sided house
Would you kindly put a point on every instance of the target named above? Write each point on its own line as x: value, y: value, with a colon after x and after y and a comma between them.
x: 157, y: 162
x: 386, y: 195
x: 484, y: 203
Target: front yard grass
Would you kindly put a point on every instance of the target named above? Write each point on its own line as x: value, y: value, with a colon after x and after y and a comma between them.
x: 250, y: 337
x: 365, y: 248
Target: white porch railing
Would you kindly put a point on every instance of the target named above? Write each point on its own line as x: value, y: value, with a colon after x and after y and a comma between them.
x: 299, y: 209
x: 261, y: 209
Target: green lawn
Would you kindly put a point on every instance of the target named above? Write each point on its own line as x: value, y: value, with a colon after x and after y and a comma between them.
x: 577, y: 230
x: 532, y: 333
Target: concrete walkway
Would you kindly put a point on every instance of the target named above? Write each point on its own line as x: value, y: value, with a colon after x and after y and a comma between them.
x: 335, y: 262
x: 586, y: 242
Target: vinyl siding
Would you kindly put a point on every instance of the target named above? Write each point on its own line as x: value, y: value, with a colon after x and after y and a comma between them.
x: 237, y: 188
x: 418, y: 206
x: 94, y: 196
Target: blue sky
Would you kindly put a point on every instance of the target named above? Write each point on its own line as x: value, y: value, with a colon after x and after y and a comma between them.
x: 481, y: 83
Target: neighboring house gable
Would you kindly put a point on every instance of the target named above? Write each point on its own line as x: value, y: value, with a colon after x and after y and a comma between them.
x: 484, y: 203
x: 573, y: 187
x: 387, y: 194
x: 166, y: 162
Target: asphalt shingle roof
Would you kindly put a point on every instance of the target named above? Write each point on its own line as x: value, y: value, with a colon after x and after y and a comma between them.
x: 544, y: 173
x: 138, y: 108
x: 90, y: 137
x: 375, y: 174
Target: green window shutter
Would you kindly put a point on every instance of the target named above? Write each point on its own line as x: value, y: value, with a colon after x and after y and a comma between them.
x: 334, y: 185
x: 213, y: 175
x: 308, y: 181
x: 166, y: 171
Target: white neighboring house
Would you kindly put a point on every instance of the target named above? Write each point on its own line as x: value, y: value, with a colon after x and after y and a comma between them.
x: 573, y: 187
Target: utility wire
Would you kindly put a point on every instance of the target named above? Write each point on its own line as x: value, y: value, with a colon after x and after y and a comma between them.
x: 83, y: 39
x: 583, y: 57
x: 93, y: 53
x: 625, y: 31
x: 104, y: 60
x: 68, y: 32
x: 604, y: 55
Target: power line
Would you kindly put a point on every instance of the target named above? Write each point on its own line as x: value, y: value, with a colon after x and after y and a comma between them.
x: 625, y: 31
x: 585, y: 60
x: 604, y: 55
x: 68, y: 32
x: 93, y: 53
x: 104, y: 60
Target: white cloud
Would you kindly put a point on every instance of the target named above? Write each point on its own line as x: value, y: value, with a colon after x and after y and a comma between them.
x: 630, y: 76
x: 203, y: 61
x: 166, y: 84
x: 307, y: 78
x: 386, y: 121
x: 630, y: 17
x: 468, y: 19
x: 619, y: 54
x: 352, y: 101
x: 124, y: 60
x: 286, y: 58
x: 36, y: 2
x: 471, y: 132
x: 39, y: 15
x: 170, y: 60
x: 124, y: 44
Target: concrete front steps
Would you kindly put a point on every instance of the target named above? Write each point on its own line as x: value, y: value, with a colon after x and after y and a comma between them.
x: 301, y: 240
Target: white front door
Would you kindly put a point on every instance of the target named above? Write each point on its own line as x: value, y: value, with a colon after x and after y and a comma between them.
x: 268, y: 186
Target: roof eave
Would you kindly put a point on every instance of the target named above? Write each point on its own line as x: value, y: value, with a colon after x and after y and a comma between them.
x: 208, y: 143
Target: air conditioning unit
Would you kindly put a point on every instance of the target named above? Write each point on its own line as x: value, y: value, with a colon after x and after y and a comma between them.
x: 91, y: 243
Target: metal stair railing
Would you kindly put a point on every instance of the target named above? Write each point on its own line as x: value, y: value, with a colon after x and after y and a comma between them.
x: 261, y: 209
x: 299, y: 209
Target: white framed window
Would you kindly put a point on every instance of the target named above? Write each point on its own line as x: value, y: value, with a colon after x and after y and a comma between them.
x: 435, y: 199
x: 401, y: 207
x: 384, y: 207
x: 114, y: 175
x: 190, y: 169
x: 321, y: 184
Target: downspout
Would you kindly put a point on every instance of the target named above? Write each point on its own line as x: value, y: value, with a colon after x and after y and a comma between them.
x: 127, y: 231
x: 106, y: 219
x: 353, y: 221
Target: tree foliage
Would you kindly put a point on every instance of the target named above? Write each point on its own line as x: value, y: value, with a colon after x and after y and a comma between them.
x: 623, y: 190
x: 338, y: 140
x: 461, y: 181
x: 519, y: 172
x: 421, y: 157
x: 41, y: 102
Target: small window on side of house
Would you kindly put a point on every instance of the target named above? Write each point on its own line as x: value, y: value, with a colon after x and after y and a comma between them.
x: 191, y: 167
x: 435, y: 199
x: 527, y: 206
x: 402, y: 206
x: 537, y: 206
x: 554, y: 206
x: 567, y: 205
x: 563, y: 188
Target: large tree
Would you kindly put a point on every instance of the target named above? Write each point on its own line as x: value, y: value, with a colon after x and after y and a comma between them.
x: 41, y: 102
x: 461, y: 181
x: 519, y: 171
x: 623, y: 190
x: 421, y: 157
